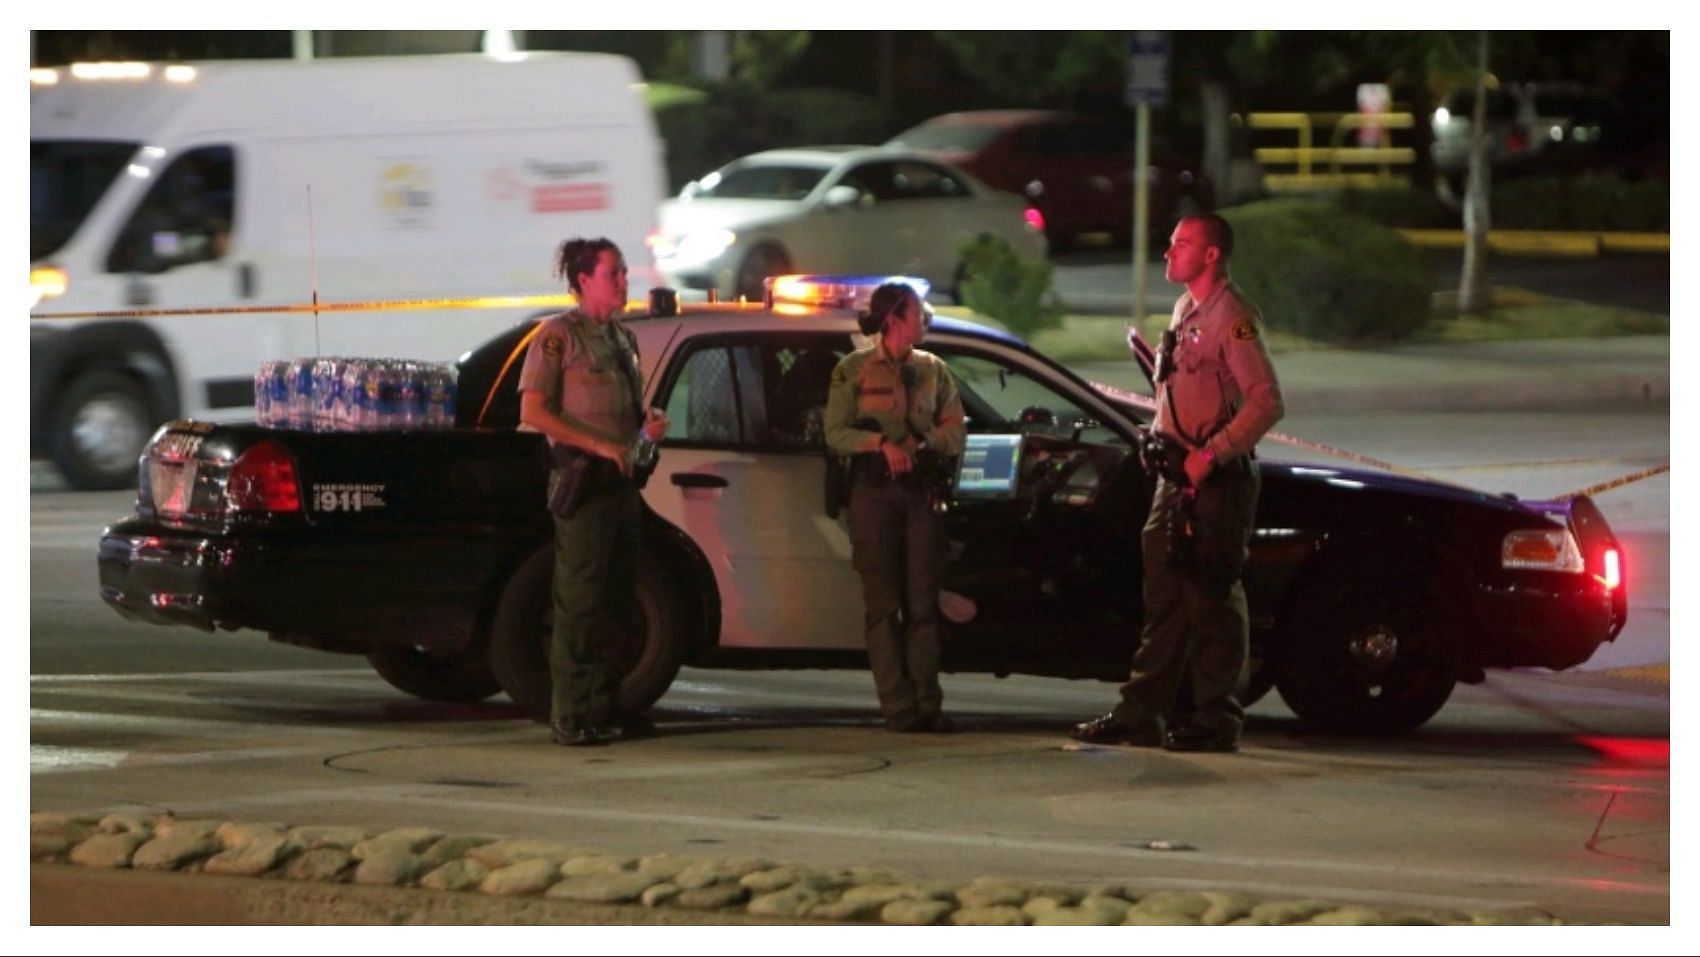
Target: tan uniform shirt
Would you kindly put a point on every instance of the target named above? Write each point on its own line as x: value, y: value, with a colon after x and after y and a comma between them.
x: 1222, y: 381
x: 916, y: 397
x: 576, y: 363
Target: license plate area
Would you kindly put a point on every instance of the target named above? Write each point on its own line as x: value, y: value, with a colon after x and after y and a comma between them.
x: 173, y: 485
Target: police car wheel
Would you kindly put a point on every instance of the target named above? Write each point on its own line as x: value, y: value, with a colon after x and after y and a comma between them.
x: 520, y: 634
x: 433, y: 677
x: 1366, y: 664
x: 99, y: 429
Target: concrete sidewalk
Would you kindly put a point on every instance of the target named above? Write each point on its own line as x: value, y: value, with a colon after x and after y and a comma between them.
x: 1460, y: 376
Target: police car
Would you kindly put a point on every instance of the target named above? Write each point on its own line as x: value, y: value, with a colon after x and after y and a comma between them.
x: 431, y: 552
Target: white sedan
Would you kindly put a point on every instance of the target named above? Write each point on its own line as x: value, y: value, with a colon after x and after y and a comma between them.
x: 833, y: 209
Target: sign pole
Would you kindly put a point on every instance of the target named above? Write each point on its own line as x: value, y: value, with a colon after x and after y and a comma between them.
x: 1141, y: 206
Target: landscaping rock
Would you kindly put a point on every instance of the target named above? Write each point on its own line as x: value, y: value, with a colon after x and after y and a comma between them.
x: 180, y: 847
x: 499, y: 854
x: 616, y: 887
x: 912, y: 912
x: 661, y: 894
x: 388, y: 866
x: 997, y: 915
x: 456, y: 876
x: 255, y: 856
x: 324, y: 865
x: 128, y: 822
x: 107, y: 850
x: 521, y: 878
x: 413, y: 840
x: 232, y: 836
x: 984, y: 893
x: 790, y: 902
x: 712, y: 897
x: 1225, y: 908
x: 1349, y: 916
x: 1289, y: 912
x: 313, y: 838
x: 599, y: 864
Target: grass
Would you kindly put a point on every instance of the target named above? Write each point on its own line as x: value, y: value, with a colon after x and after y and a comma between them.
x: 1515, y: 314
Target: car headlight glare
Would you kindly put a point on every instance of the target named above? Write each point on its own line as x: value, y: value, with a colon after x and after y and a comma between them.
x: 1551, y: 550
x: 697, y: 247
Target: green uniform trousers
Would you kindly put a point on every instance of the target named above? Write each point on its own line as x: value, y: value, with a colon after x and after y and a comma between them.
x: 1196, y: 638
x: 899, y: 549
x: 594, y: 594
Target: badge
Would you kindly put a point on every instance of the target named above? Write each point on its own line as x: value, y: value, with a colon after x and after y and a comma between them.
x: 1245, y: 330
x: 552, y: 347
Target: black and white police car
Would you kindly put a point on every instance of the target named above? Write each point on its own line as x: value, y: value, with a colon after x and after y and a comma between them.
x: 430, y: 551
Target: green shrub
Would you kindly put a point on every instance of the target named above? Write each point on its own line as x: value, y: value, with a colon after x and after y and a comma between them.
x: 1401, y: 207
x: 1321, y: 272
x: 998, y: 284
x: 1591, y: 202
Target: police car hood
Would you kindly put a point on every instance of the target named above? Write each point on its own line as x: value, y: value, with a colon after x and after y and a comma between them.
x: 681, y: 216
x: 1358, y: 480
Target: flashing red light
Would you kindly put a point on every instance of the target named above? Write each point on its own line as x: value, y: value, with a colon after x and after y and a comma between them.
x: 1614, y: 569
x: 1622, y: 750
x: 263, y: 480
x: 1035, y: 220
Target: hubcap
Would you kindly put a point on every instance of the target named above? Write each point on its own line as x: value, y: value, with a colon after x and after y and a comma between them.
x: 1374, y: 652
x: 108, y: 432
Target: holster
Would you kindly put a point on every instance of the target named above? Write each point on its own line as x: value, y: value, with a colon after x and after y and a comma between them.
x: 575, y: 476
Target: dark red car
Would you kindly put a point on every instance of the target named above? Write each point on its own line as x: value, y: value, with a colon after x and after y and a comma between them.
x: 1077, y: 170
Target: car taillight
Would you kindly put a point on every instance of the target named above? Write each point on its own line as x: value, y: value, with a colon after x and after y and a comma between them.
x: 1517, y: 139
x: 263, y: 480
x: 1613, y: 576
x: 1552, y: 550
x: 1035, y: 220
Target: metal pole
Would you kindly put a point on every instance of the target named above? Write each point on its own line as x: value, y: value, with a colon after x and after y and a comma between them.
x: 1141, y: 205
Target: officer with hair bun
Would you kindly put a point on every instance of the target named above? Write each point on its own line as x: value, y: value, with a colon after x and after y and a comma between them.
x: 894, y: 410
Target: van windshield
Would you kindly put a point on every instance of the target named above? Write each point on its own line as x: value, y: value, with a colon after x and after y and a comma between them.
x: 66, y: 179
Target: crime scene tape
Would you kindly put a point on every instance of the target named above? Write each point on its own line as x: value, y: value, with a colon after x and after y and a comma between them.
x: 1615, y: 483
x: 376, y: 305
x: 1150, y: 404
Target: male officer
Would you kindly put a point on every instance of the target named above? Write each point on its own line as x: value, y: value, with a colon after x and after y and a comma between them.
x: 1216, y: 396
x: 894, y: 408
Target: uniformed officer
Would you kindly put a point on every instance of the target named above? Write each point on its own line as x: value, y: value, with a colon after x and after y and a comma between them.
x: 894, y: 409
x: 581, y: 386
x: 1216, y: 397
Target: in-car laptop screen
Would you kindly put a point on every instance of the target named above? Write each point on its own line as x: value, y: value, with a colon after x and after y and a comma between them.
x: 991, y: 464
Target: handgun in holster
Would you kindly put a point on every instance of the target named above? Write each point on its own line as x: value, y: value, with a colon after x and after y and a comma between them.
x: 573, y: 476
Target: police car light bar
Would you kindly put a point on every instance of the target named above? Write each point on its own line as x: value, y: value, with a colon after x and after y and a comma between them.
x: 841, y: 292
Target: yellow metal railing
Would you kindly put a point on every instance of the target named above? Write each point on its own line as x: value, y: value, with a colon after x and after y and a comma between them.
x: 1336, y: 165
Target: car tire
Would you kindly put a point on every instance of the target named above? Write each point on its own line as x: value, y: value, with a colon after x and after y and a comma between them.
x: 1367, y: 662
x: 520, y: 636
x: 763, y: 261
x: 99, y: 428
x: 433, y: 677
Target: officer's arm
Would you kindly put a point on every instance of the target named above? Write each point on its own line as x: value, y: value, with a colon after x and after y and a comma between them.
x: 566, y: 429
x: 841, y: 436
x: 1247, y: 355
x: 949, y: 433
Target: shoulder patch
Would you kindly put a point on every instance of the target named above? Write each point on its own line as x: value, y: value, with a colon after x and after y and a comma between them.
x: 1245, y: 330
x: 552, y: 346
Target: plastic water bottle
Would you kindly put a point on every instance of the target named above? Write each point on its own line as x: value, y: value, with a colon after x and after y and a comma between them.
x: 299, y: 385
x: 277, y: 388
x: 263, y: 394
x: 410, y: 395
x: 440, y: 400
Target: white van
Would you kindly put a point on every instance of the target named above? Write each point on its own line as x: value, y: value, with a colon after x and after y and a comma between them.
x: 256, y: 185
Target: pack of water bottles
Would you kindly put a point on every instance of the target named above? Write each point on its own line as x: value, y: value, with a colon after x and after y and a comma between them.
x: 335, y: 394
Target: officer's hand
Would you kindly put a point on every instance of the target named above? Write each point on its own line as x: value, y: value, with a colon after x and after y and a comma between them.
x: 620, y: 455
x: 1197, y: 467
x: 654, y: 424
x: 896, y: 458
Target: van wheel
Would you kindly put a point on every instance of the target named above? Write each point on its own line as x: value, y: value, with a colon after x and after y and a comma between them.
x: 99, y: 428
x: 433, y: 677
x: 762, y: 262
x: 520, y: 636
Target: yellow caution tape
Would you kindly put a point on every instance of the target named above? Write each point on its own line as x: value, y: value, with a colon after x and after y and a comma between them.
x: 376, y: 305
x: 1615, y: 483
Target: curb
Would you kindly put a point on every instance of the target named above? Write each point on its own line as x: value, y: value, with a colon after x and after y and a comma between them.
x: 1534, y: 242
x: 128, y: 868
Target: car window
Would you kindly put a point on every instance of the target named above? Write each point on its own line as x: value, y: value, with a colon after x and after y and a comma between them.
x: 1003, y: 397
x: 926, y: 181
x: 876, y: 180
x: 796, y: 377
x: 718, y: 398
x: 761, y: 182
x: 185, y: 218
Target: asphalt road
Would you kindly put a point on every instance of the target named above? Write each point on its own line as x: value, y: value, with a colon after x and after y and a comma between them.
x: 1533, y: 788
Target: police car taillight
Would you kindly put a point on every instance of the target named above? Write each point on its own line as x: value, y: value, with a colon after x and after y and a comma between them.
x: 1613, y: 566
x: 1541, y: 549
x: 836, y: 292
x: 263, y: 480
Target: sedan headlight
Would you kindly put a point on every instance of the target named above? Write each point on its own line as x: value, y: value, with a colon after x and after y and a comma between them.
x: 1543, y: 549
x: 695, y: 248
